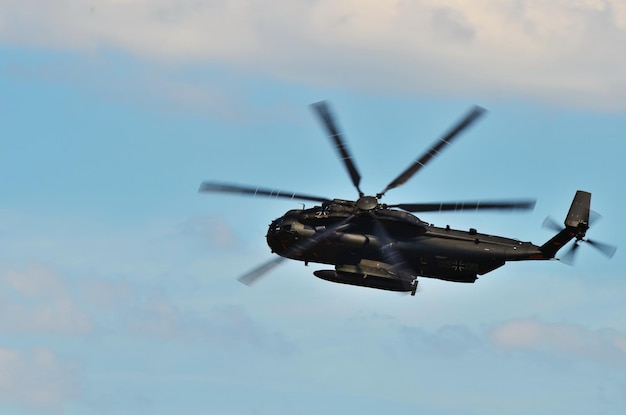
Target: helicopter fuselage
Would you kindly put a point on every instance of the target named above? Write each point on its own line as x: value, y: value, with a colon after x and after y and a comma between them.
x: 404, y: 249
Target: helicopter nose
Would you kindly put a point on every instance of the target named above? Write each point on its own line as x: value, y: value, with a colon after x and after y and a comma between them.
x: 276, y: 224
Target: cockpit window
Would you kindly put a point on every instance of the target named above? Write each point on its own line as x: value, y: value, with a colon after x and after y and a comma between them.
x: 276, y: 224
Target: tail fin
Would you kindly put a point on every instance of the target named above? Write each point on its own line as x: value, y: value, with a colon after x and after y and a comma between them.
x: 576, y: 225
x: 578, y: 215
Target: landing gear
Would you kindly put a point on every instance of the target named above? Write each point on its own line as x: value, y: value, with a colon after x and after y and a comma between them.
x: 414, y: 288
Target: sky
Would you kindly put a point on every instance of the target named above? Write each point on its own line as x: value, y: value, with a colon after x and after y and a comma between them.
x: 118, y: 280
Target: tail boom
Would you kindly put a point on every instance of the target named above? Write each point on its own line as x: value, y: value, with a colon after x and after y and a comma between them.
x: 576, y: 225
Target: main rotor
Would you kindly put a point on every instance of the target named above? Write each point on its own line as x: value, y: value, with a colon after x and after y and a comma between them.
x: 366, y: 203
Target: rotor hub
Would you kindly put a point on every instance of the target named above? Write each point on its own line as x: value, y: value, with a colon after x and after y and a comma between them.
x: 367, y: 203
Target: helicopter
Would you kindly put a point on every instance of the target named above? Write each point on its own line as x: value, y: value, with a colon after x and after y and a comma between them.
x: 384, y: 246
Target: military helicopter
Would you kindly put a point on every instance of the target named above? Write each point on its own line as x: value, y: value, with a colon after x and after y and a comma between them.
x: 376, y: 245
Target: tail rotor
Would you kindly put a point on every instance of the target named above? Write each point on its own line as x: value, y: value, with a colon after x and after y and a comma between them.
x: 577, y: 223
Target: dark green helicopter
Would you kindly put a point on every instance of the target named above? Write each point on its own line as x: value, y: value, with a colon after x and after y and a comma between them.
x: 382, y: 246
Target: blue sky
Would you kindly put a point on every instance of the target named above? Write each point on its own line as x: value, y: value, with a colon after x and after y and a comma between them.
x: 118, y: 291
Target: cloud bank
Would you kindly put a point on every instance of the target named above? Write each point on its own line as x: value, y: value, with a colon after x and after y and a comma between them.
x: 36, y: 300
x: 604, y: 346
x: 36, y: 378
x: 564, y: 51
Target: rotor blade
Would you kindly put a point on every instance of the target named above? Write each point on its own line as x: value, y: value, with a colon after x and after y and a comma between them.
x: 466, y: 206
x: 297, y: 249
x: 570, y: 255
x: 322, y: 110
x: 594, y: 217
x: 550, y: 223
x: 435, y: 149
x: 252, y: 276
x: 245, y: 190
x: 606, y: 249
x: 391, y: 254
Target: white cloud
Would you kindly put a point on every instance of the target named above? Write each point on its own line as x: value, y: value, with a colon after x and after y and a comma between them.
x: 36, y: 300
x: 36, y: 379
x: 225, y: 327
x: 606, y: 345
x: 210, y: 231
x: 562, y: 51
x: 32, y: 281
x: 107, y: 295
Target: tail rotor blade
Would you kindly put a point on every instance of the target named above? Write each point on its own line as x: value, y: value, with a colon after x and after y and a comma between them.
x: 552, y: 224
x: 605, y: 249
x: 594, y: 217
x: 570, y: 255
